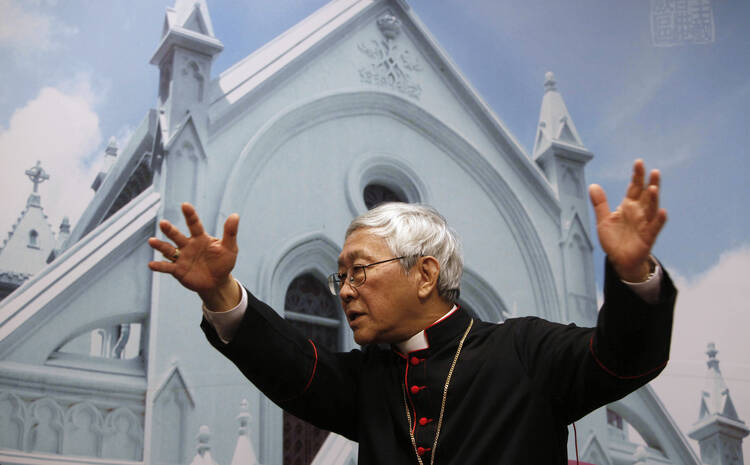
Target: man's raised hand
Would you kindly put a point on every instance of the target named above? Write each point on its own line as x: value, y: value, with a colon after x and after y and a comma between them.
x: 628, y: 233
x: 204, y: 263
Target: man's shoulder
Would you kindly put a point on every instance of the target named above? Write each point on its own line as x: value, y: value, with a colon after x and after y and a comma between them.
x: 523, y: 325
x: 515, y: 322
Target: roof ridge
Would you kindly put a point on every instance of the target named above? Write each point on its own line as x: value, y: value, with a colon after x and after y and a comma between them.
x: 324, y: 14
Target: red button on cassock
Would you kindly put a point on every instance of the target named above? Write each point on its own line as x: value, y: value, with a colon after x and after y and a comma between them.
x: 414, y: 361
x: 414, y: 389
x: 421, y: 451
x: 423, y: 421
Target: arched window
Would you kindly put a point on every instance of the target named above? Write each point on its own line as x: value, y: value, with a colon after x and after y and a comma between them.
x: 311, y: 308
x: 375, y: 194
x: 34, y: 239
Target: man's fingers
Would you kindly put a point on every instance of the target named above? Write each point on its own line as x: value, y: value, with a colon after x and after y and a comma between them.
x: 651, y: 206
x: 192, y: 220
x: 654, y: 178
x: 599, y: 202
x: 636, y: 183
x: 162, y: 267
x: 165, y: 248
x: 231, y: 226
x: 173, y: 233
x: 656, y: 224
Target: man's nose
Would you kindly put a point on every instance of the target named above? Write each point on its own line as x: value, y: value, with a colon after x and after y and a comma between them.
x: 347, y: 292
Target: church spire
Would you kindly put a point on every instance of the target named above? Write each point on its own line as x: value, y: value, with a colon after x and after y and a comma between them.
x: 719, y: 430
x: 555, y: 123
x: 184, y: 57
x: 716, y: 399
x: 559, y: 152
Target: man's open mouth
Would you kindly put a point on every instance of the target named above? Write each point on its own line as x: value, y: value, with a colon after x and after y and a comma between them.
x: 352, y: 316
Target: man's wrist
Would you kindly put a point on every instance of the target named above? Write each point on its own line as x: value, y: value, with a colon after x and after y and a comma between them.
x: 225, y: 297
x: 640, y: 274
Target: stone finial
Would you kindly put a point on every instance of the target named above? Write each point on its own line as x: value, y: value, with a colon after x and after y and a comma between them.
x: 389, y: 25
x: 713, y: 362
x: 549, y: 81
x: 37, y: 175
x: 244, y: 418
x: 65, y: 225
x: 204, y: 435
x: 111, y: 149
x: 244, y: 453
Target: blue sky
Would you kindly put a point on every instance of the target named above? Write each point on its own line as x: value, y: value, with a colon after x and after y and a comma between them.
x: 76, y: 72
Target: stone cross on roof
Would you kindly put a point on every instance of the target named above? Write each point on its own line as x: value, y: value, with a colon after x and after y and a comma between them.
x: 37, y: 175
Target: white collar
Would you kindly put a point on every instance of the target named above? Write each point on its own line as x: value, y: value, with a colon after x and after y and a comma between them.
x: 419, y: 340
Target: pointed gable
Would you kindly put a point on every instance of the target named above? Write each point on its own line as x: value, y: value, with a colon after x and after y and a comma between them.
x: 196, y: 23
x: 31, y: 239
x: 187, y: 25
x: 387, y: 49
x: 594, y: 452
x: 193, y: 15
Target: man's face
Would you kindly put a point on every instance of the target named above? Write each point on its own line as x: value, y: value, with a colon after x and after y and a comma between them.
x: 381, y: 309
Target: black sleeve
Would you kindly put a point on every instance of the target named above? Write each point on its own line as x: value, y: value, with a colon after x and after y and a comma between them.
x: 581, y: 369
x: 293, y: 371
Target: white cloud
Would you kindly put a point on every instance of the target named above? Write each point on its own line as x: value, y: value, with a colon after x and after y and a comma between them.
x: 60, y: 129
x: 712, y: 307
x: 26, y: 27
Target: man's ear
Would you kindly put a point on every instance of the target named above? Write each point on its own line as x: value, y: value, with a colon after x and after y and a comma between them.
x: 428, y: 270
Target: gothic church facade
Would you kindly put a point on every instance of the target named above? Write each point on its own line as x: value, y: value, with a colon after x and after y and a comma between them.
x: 103, y: 362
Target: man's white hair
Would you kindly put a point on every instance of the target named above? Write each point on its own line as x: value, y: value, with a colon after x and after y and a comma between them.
x: 413, y: 231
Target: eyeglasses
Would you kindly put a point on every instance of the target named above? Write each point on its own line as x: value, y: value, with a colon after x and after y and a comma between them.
x: 355, y: 276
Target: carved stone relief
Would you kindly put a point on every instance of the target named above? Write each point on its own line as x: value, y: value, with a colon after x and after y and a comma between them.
x: 12, y: 418
x: 83, y: 429
x: 123, y: 435
x: 45, y: 432
x: 55, y: 426
x: 390, y: 65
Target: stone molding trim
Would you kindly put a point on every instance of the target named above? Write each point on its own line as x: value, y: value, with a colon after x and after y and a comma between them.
x: 388, y: 170
x: 299, y: 118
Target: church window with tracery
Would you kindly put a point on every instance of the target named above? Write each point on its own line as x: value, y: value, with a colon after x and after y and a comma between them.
x: 311, y: 308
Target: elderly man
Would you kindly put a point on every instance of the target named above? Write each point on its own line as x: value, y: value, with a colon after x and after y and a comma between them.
x: 432, y: 384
